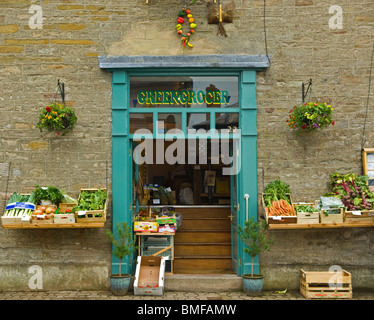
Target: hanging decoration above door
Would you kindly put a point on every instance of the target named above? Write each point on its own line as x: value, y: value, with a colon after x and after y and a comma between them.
x: 185, y: 15
x: 218, y: 15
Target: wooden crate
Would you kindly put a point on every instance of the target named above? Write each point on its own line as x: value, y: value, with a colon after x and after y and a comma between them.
x: 92, y: 215
x: 14, y: 220
x: 325, y: 285
x: 278, y: 219
x: 306, y: 217
x: 332, y: 217
x: 359, y: 216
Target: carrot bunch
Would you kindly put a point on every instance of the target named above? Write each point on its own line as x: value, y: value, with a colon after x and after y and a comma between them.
x: 280, y: 208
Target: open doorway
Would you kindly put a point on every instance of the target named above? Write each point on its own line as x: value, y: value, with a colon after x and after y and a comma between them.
x: 199, y: 192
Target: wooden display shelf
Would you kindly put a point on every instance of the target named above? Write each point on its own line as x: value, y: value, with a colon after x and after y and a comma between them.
x: 321, y: 225
x: 54, y: 225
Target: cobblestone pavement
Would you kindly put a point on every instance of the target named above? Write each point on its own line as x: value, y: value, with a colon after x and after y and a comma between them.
x: 171, y: 295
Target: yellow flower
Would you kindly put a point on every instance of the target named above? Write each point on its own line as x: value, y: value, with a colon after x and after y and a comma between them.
x: 49, y: 117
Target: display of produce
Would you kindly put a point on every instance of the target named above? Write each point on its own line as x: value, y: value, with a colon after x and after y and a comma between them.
x: 305, y: 208
x: 91, y: 200
x: 20, y: 206
x: 50, y: 193
x: 352, y: 190
x: 277, y: 199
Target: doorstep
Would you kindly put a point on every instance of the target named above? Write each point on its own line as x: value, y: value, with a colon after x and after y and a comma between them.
x: 203, y: 282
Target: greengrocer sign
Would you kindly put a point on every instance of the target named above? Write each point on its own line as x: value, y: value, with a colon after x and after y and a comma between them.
x: 182, y: 97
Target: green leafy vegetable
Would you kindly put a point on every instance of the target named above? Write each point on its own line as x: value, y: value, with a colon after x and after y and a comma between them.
x: 305, y: 208
x: 50, y: 193
x: 91, y: 200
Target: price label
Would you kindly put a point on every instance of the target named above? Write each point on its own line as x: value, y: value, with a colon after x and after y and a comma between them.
x: 277, y: 218
x: 356, y: 213
x: 81, y: 213
x: 156, y: 201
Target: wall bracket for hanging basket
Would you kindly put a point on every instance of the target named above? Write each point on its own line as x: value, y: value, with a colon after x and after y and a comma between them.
x: 303, y: 93
x: 61, y: 88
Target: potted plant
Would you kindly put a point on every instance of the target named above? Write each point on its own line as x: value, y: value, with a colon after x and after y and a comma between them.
x: 57, y: 118
x: 255, y: 239
x: 123, y: 246
x: 310, y: 116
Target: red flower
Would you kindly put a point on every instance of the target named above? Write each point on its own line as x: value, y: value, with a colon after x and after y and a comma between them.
x: 48, y: 109
x: 333, y: 122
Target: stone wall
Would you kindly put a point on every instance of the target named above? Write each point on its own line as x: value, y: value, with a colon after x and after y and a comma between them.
x: 74, y: 33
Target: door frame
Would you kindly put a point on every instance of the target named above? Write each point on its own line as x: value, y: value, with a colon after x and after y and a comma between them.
x: 245, y: 67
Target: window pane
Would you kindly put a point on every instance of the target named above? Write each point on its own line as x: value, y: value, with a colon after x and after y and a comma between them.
x: 141, y: 121
x: 198, y: 121
x: 184, y: 92
x: 167, y: 121
x: 229, y: 121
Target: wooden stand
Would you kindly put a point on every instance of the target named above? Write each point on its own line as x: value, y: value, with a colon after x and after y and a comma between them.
x: 54, y: 225
x: 159, y: 234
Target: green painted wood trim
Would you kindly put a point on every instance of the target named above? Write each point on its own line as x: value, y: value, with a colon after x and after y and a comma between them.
x: 121, y: 162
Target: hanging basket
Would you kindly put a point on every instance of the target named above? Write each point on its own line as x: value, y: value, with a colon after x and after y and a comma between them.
x: 310, y: 116
x: 57, y: 118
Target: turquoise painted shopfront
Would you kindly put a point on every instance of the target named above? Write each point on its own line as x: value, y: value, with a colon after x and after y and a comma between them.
x: 216, y: 93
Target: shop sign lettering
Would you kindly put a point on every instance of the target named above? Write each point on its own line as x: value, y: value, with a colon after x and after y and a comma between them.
x: 182, y: 97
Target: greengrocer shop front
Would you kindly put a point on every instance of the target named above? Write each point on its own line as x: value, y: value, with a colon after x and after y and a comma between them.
x: 188, y: 124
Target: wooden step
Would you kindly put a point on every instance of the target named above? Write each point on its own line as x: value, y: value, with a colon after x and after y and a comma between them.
x: 202, y: 265
x: 213, y: 212
x: 202, y: 236
x: 196, y: 224
x: 202, y: 249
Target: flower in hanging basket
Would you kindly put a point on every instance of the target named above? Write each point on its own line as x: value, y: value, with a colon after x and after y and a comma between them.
x: 57, y: 118
x: 310, y: 116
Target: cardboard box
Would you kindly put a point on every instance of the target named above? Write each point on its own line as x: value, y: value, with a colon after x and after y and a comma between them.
x: 145, y: 226
x: 149, y: 276
x: 167, y: 228
x: 64, y: 218
x: 166, y: 219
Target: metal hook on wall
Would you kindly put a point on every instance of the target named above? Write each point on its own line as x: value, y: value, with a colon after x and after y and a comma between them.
x: 61, y: 87
x: 303, y: 89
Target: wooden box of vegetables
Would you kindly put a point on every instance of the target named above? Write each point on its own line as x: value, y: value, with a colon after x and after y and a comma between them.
x: 306, y: 213
x: 18, y: 209
x: 43, y: 214
x: 359, y: 216
x: 92, y: 206
x: 278, y: 205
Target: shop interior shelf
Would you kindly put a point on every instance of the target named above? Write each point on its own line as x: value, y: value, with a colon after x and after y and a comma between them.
x: 321, y: 225
x: 55, y: 225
